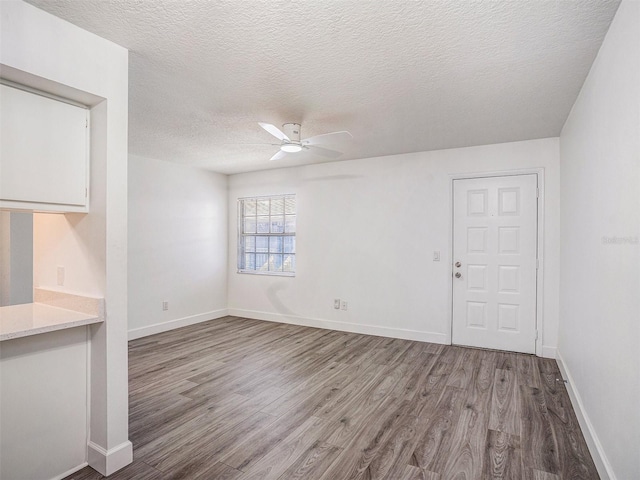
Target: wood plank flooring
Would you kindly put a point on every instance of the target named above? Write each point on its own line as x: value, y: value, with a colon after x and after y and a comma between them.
x: 244, y: 399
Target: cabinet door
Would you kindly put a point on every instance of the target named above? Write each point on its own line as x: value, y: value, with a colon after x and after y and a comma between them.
x: 43, y: 152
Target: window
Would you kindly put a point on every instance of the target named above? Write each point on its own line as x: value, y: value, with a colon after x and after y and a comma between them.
x: 267, y: 235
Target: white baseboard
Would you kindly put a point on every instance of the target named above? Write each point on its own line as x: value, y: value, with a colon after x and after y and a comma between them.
x: 549, y: 352
x: 342, y: 326
x: 70, y: 471
x: 605, y: 470
x: 108, y: 462
x: 173, y: 324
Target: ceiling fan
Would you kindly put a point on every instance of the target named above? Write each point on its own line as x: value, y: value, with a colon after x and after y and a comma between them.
x: 291, y: 142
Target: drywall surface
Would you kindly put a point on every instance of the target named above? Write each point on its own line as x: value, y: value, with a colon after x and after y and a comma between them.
x: 367, y: 230
x: 66, y: 242
x: 5, y: 258
x: 177, y: 245
x: 16, y: 258
x: 600, y: 246
x: 21, y: 258
x: 47, y: 53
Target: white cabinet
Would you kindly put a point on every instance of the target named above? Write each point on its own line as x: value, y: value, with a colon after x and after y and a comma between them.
x: 43, y: 153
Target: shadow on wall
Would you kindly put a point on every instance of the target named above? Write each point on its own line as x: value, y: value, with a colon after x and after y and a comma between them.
x: 332, y: 178
x: 262, y: 182
x: 272, y: 295
x: 16, y: 258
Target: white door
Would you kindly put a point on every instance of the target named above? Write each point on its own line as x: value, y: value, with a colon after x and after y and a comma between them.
x: 494, y: 256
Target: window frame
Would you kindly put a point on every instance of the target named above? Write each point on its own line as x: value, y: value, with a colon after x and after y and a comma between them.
x: 242, y: 235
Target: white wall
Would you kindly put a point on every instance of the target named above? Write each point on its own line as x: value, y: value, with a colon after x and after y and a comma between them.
x: 177, y: 245
x: 47, y: 53
x: 66, y: 241
x: 21, y: 258
x: 600, y: 282
x: 367, y: 230
x: 16, y: 258
x: 5, y: 258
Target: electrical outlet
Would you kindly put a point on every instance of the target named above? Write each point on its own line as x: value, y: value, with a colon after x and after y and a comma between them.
x: 61, y: 276
x: 165, y: 305
x: 343, y: 305
x: 336, y: 304
x: 436, y: 256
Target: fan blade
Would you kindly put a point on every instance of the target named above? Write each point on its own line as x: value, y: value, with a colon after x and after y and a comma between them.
x: 323, y: 152
x: 250, y: 144
x: 328, y: 137
x: 278, y: 155
x: 275, y: 131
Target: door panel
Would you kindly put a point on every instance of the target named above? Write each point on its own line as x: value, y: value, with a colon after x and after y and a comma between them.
x: 495, y: 242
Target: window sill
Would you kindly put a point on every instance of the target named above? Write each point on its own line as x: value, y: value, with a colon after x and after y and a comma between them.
x: 269, y: 274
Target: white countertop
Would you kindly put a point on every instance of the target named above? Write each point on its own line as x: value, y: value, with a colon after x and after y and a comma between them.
x: 34, y: 318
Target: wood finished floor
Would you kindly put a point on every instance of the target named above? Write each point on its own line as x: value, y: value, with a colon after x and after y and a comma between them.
x: 244, y: 399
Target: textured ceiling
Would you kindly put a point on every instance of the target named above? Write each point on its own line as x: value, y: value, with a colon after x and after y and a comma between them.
x: 401, y: 76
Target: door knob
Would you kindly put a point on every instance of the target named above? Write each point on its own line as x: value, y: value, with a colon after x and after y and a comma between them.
x: 458, y: 274
x: 458, y: 264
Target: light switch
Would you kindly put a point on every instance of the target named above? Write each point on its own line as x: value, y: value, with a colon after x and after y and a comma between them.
x: 436, y: 256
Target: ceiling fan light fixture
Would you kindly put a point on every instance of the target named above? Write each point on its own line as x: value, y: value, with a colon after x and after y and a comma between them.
x: 290, y: 141
x: 290, y: 147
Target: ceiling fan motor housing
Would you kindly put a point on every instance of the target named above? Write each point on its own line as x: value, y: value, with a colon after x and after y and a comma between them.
x: 292, y: 130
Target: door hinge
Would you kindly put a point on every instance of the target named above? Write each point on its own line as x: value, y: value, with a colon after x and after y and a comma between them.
x: 536, y: 334
x: 537, y: 263
x: 537, y: 192
x: 86, y: 192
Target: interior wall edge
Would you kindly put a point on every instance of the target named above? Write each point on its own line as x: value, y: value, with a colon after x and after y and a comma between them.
x: 109, y: 461
x: 71, y: 471
x: 161, y: 327
x: 404, y: 334
x: 549, y: 352
x: 593, y: 442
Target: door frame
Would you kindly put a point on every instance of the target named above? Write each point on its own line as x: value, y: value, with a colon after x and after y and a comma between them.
x: 539, y: 172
